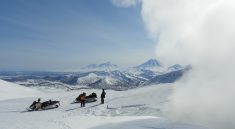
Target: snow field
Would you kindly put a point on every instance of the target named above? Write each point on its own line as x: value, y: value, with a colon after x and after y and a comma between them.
x: 131, y: 109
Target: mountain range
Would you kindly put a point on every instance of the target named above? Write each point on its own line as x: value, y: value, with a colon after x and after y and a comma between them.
x: 105, y: 75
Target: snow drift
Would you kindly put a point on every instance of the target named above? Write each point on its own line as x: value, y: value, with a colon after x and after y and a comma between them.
x: 12, y: 91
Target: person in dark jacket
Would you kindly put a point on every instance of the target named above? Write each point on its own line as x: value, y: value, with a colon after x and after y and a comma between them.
x: 33, y: 106
x: 38, y: 105
x: 102, y: 96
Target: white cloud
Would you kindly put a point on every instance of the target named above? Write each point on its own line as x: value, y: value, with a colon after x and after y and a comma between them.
x: 201, y: 33
x: 125, y: 3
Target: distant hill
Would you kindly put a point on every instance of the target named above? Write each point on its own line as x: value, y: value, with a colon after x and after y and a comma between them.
x: 108, y: 66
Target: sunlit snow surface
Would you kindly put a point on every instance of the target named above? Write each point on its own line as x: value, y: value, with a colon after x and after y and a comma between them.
x: 133, y: 109
x: 11, y: 91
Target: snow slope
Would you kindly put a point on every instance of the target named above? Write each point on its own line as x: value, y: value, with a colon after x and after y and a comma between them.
x: 11, y: 91
x: 131, y: 109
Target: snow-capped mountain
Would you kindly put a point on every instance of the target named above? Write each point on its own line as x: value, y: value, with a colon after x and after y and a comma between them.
x: 118, y: 80
x: 90, y: 78
x: 108, y: 66
x: 169, y: 77
x: 175, y: 67
x: 152, y: 63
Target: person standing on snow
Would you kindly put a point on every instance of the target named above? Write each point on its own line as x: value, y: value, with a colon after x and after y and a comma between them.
x: 102, y: 96
x: 83, y: 99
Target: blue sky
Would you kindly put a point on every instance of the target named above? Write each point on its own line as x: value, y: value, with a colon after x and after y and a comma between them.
x: 68, y: 34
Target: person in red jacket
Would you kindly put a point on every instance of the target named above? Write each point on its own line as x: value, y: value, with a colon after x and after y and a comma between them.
x: 83, y: 99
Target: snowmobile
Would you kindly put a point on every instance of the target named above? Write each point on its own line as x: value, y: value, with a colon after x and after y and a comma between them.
x: 44, y: 105
x: 89, y: 99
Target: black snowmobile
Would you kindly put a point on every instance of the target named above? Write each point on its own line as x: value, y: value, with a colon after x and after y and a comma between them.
x: 89, y: 99
x: 36, y: 106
